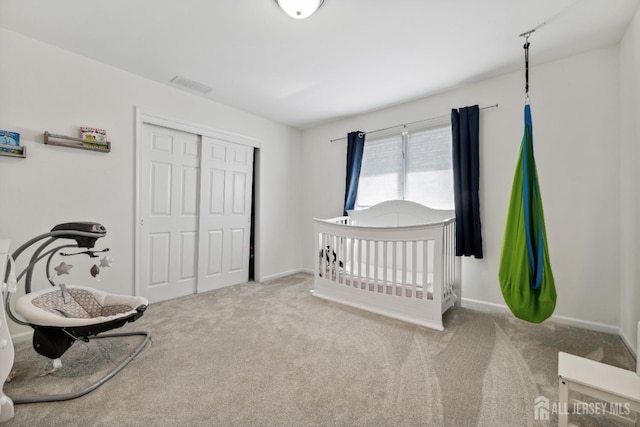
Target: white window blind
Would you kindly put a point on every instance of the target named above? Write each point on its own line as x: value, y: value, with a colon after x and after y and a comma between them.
x: 381, y: 172
x: 413, y: 165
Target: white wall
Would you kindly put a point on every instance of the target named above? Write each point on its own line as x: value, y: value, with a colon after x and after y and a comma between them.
x: 575, y: 127
x: 47, y: 89
x: 630, y: 182
x: 580, y: 145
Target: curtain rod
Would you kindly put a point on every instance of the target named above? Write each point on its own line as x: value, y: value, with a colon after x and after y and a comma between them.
x: 410, y: 123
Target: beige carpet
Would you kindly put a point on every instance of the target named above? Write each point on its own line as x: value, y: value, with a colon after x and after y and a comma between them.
x: 273, y: 355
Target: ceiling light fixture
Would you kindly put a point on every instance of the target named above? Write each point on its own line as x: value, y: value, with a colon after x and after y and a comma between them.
x: 299, y: 9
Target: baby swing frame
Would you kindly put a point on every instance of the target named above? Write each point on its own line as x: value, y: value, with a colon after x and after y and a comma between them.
x: 54, y: 340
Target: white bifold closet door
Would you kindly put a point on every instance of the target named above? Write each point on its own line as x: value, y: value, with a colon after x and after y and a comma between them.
x: 195, y: 213
x: 225, y: 214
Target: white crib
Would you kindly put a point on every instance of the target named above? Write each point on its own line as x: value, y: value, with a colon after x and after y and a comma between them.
x: 396, y: 258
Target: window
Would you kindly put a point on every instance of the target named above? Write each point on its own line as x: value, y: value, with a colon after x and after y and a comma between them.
x: 413, y: 165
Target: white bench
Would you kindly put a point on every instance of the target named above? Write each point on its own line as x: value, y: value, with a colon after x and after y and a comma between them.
x: 618, y: 387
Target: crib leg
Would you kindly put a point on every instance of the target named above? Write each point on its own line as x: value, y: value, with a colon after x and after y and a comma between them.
x: 458, y: 280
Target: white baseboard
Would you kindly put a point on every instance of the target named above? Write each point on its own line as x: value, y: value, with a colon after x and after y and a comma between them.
x: 484, y: 306
x: 22, y: 336
x: 283, y: 274
x: 633, y: 351
x: 586, y: 324
x: 564, y: 320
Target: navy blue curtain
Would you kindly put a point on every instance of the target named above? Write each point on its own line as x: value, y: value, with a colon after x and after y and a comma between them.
x: 355, y: 147
x: 466, y: 177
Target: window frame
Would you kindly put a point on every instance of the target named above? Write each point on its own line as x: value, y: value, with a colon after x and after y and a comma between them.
x: 404, y: 135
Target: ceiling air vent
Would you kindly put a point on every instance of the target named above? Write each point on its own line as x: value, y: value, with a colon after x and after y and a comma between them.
x: 191, y: 85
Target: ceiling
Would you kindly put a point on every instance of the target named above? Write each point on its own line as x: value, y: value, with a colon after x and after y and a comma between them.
x: 349, y: 58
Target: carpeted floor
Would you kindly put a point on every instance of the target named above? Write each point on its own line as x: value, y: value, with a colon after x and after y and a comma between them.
x: 273, y: 355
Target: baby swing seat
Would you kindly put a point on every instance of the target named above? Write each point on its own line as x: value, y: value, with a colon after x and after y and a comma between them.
x: 86, y: 312
x: 63, y: 314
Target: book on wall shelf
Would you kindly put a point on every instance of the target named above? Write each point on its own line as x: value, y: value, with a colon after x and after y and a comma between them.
x: 10, y: 144
x: 93, y: 138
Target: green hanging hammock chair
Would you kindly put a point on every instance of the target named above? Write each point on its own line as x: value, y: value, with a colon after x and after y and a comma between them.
x: 526, y: 279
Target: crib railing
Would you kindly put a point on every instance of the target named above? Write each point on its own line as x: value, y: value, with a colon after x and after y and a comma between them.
x: 416, y: 261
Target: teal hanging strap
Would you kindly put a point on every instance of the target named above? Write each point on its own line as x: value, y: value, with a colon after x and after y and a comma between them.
x: 530, y: 197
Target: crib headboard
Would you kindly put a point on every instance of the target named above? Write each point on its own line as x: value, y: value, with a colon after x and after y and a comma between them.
x: 394, y: 213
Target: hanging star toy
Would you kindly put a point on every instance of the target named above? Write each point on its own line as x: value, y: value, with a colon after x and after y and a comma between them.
x: 105, y: 262
x: 63, y: 268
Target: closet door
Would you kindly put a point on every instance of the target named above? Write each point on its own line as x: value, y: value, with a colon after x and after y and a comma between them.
x: 169, y: 205
x: 225, y: 214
